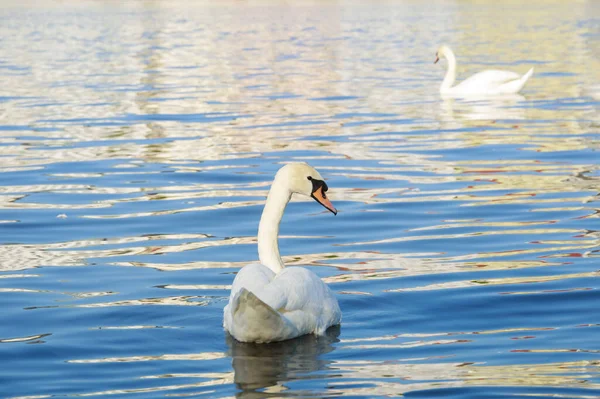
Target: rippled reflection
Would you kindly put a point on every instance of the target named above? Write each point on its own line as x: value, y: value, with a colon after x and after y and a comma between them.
x: 487, y: 110
x: 402, y: 378
x: 262, y: 370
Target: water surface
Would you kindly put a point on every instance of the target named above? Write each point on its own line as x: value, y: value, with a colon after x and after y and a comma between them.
x: 138, y: 142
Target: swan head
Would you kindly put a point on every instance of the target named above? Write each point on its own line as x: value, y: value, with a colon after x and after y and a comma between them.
x: 443, y: 51
x: 301, y: 178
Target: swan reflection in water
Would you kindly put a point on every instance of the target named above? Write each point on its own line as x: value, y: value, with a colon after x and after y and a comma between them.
x: 270, y: 366
x: 506, y: 107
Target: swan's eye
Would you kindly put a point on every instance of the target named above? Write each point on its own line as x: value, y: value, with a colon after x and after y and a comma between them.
x: 317, y: 184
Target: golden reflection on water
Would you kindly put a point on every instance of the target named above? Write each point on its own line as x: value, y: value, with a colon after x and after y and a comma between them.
x: 32, y: 338
x: 503, y: 281
x: 448, y: 375
x: 191, y: 356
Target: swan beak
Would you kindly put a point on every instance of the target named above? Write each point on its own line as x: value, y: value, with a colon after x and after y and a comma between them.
x: 322, y: 199
x: 436, y: 59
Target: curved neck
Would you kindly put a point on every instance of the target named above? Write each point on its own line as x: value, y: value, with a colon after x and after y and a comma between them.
x: 268, y: 229
x: 450, y: 73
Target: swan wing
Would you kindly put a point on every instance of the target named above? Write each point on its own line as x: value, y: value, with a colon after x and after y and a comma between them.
x: 490, y: 77
x: 265, y: 307
x: 514, y: 86
x: 304, y: 299
x: 492, y: 82
x: 252, y: 320
x: 253, y: 277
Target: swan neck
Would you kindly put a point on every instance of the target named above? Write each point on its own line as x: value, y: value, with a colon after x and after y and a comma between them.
x: 450, y: 73
x: 268, y: 228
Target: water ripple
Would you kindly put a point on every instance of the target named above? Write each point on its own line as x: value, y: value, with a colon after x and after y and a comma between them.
x: 139, y: 139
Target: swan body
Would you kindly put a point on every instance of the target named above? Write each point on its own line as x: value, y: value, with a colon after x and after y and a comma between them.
x: 488, y: 82
x: 269, y: 302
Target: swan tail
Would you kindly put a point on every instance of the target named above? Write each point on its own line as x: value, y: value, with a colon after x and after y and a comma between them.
x: 516, y: 85
x: 520, y: 83
x: 526, y: 77
x: 255, y: 321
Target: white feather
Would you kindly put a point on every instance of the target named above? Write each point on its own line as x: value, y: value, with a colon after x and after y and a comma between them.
x: 488, y: 82
x: 269, y: 302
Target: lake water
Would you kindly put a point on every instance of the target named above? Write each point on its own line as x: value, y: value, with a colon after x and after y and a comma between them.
x: 137, y: 144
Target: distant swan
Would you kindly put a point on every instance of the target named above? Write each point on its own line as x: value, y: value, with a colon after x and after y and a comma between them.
x: 489, y: 82
x: 269, y: 302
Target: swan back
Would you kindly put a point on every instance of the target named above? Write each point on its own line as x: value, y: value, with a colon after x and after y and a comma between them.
x: 294, y: 302
x: 492, y: 82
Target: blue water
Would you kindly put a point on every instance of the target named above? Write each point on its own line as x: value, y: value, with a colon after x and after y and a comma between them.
x: 137, y: 144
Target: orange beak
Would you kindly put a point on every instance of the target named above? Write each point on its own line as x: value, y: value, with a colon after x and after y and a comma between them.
x: 322, y: 199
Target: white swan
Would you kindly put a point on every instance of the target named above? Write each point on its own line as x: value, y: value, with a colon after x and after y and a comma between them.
x: 269, y: 302
x: 489, y: 82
